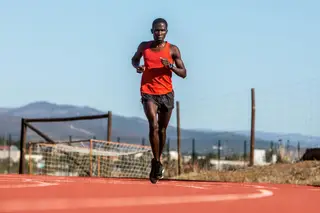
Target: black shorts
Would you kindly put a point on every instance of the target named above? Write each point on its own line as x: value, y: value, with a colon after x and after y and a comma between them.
x: 164, y: 102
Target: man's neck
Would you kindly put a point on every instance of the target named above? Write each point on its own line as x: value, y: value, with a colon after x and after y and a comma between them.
x: 159, y: 43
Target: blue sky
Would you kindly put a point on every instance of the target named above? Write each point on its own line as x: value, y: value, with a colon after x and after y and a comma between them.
x: 78, y: 52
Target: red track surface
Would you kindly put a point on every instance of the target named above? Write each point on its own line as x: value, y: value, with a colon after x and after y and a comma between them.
x: 43, y: 194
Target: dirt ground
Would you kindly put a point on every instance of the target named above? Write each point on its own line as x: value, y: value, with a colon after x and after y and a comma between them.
x: 303, y: 173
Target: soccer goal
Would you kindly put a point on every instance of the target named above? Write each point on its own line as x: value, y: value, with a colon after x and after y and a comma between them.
x: 81, y: 157
x: 27, y: 123
x: 94, y: 158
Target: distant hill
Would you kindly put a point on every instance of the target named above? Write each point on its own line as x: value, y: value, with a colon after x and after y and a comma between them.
x: 4, y: 110
x: 129, y: 129
x: 293, y: 138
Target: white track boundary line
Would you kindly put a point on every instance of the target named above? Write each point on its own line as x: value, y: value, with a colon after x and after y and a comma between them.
x: 36, y: 181
x: 53, y: 182
x: 76, y: 203
x: 29, y: 183
x: 314, y: 190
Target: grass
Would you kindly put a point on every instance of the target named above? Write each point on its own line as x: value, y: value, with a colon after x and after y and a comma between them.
x: 302, y: 173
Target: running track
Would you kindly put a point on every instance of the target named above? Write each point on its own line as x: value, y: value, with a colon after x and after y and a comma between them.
x: 44, y: 194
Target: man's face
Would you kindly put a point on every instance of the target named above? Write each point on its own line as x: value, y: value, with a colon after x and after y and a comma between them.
x: 159, y: 31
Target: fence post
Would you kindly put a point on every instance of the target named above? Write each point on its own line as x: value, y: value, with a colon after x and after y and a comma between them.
x: 245, y: 151
x: 219, y: 154
x: 168, y: 149
x: 193, y: 150
x: 272, y: 147
x: 252, y: 137
x: 298, y: 147
x: 178, y: 137
x: 9, y: 154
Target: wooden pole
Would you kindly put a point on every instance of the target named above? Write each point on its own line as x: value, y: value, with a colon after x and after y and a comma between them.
x: 109, y: 126
x: 193, y: 151
x: 9, y: 158
x: 253, y: 117
x: 23, y: 134
x: 178, y: 137
x: 90, y: 155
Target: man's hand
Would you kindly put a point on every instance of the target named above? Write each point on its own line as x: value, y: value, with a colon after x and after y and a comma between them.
x: 135, y: 60
x: 165, y: 62
x: 140, y: 69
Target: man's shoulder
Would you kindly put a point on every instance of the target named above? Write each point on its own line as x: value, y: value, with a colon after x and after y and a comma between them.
x: 173, y: 46
x: 144, y: 44
x: 174, y: 49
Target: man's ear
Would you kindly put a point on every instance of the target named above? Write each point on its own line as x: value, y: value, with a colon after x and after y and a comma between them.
x: 151, y: 31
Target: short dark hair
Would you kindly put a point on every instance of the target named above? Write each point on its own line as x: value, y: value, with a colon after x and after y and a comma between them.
x: 159, y: 20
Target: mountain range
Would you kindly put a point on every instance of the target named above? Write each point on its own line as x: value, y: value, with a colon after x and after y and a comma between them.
x: 131, y: 129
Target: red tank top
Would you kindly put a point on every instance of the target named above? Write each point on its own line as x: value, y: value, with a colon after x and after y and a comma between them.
x: 156, y: 79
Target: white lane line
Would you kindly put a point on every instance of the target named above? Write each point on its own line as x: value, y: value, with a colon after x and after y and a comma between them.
x: 315, y: 190
x: 26, y: 183
x: 80, y: 203
x: 261, y: 187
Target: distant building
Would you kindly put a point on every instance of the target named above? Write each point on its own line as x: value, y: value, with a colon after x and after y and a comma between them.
x: 14, y: 153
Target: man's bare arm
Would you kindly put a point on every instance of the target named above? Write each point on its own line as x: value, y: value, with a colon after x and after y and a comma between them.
x: 179, y: 69
x: 135, y: 60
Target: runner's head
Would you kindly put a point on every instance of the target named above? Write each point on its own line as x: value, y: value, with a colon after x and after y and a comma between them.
x: 159, y: 29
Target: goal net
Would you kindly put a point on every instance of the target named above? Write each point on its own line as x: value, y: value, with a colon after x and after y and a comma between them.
x: 90, y: 158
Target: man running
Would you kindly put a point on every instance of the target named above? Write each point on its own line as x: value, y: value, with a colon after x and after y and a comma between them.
x: 157, y: 95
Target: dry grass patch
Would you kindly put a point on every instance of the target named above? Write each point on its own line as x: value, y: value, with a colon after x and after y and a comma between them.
x: 304, y: 173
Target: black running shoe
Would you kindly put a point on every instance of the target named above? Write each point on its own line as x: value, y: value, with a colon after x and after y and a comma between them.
x: 160, y: 170
x: 153, y: 173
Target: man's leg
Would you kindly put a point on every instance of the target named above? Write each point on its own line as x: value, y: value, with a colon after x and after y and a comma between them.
x: 167, y: 105
x: 150, y: 109
x: 163, y: 121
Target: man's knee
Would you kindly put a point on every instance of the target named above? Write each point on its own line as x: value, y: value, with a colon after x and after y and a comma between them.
x: 154, y: 126
x: 162, y: 130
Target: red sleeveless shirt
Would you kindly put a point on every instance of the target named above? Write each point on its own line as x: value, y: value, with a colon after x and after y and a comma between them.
x: 156, y: 79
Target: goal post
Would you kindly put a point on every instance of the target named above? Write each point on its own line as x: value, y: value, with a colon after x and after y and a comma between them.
x: 26, y: 123
x: 95, y: 158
